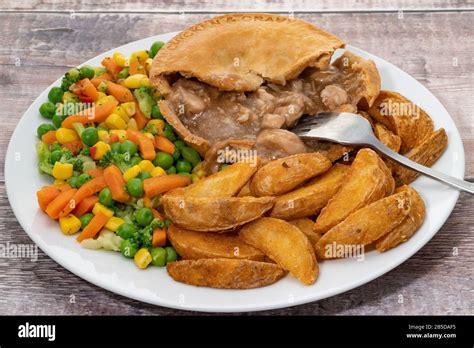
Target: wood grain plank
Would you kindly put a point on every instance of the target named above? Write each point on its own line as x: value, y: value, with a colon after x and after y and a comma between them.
x: 235, y: 6
x: 427, y: 46
x: 436, y: 273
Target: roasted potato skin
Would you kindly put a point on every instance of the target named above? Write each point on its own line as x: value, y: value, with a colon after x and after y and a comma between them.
x: 285, y: 244
x: 426, y: 153
x: 284, y: 174
x: 225, y: 273
x: 408, y: 226
x: 387, y: 138
x: 411, y: 126
x: 367, y: 224
x: 309, y: 199
x: 305, y: 225
x: 226, y: 183
x: 199, y: 245
x: 367, y: 180
x: 214, y: 214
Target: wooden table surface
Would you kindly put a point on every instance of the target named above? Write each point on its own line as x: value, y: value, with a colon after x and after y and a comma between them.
x: 431, y: 40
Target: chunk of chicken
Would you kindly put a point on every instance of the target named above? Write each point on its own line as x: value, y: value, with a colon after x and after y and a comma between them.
x: 333, y: 96
x: 273, y: 121
x: 276, y: 143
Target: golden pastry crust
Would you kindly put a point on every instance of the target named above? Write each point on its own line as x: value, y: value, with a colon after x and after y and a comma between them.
x: 238, y: 52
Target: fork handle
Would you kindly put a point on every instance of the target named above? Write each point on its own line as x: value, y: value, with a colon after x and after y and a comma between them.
x: 454, y: 182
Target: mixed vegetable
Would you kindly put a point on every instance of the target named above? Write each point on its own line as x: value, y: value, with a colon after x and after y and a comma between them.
x: 112, y: 155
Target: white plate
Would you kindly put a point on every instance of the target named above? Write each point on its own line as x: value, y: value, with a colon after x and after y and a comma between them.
x: 113, y: 272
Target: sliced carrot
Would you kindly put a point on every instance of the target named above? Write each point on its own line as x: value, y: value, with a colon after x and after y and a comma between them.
x: 93, y: 114
x: 85, y: 87
x: 112, y: 67
x: 74, y: 146
x: 93, y: 227
x: 96, y: 172
x: 121, y: 93
x: 164, y: 144
x: 156, y: 214
x: 146, y: 146
x: 136, y: 67
x: 49, y: 137
x: 59, y: 203
x: 86, y: 205
x: 47, y: 194
x: 88, y: 189
x: 140, y: 118
x: 115, y: 182
x: 96, y: 81
x: 159, y: 237
x: 161, y: 184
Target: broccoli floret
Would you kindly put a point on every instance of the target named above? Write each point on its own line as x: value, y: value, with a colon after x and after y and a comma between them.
x: 85, y: 151
x: 69, y: 79
x: 144, y: 236
x: 68, y: 157
x: 121, y: 160
x: 44, y: 163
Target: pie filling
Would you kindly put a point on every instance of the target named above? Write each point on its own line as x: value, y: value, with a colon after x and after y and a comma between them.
x: 263, y: 115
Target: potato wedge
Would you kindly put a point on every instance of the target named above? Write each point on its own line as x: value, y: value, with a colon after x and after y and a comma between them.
x: 427, y: 153
x: 387, y: 138
x: 285, y: 244
x: 225, y: 273
x: 409, y: 225
x: 199, y: 245
x: 284, y: 174
x: 306, y: 226
x: 366, y: 225
x: 245, y: 190
x: 226, y: 183
x: 214, y: 214
x: 312, y: 197
x: 402, y: 117
x: 367, y: 180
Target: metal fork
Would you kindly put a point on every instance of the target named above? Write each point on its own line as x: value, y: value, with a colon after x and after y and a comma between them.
x: 351, y: 129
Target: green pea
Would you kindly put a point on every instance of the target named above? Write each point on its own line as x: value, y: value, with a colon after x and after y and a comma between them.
x: 190, y: 155
x: 128, y: 249
x: 55, y: 95
x: 90, y: 136
x: 171, y: 170
x: 115, y: 147
x: 105, y: 197
x: 170, y: 135
x: 87, y: 72
x: 47, y: 110
x: 179, y: 144
x: 56, y: 146
x: 57, y: 120
x: 128, y: 146
x: 144, y: 175
x: 135, y: 187
x: 55, y: 156
x: 176, y: 153
x: 43, y: 129
x: 82, y: 179
x: 158, y: 257
x: 185, y: 174
x: 156, y: 113
x: 135, y: 160
x: 163, y: 160
x: 144, y: 216
x: 85, y: 219
x: 155, y: 48
x: 72, y: 181
x: 183, y: 166
x: 171, y: 254
x: 126, y: 231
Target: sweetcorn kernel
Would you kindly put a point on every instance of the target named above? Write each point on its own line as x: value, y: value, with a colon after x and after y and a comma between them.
x: 69, y: 224
x: 146, y: 166
x: 99, y: 208
x: 114, y: 121
x: 158, y: 171
x: 62, y: 171
x: 119, y: 59
x: 66, y: 135
x: 114, y: 223
x: 104, y: 136
x: 121, y: 133
x: 142, y: 258
x: 131, y: 173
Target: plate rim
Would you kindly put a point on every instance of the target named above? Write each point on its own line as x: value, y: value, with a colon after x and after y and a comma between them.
x: 275, y: 304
